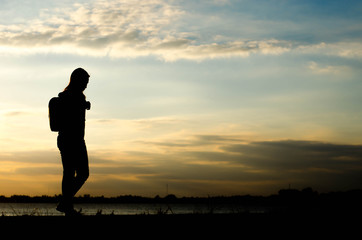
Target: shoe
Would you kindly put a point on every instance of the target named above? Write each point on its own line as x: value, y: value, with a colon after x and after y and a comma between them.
x: 63, y: 207
x: 73, y: 213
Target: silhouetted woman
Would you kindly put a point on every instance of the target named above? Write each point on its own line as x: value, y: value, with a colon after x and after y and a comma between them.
x: 71, y: 139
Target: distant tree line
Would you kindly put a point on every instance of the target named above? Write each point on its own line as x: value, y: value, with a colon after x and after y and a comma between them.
x: 291, y: 198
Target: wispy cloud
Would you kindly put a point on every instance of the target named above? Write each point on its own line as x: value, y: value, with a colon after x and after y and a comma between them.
x: 349, y: 50
x: 96, y: 28
x: 328, y: 69
x: 128, y: 29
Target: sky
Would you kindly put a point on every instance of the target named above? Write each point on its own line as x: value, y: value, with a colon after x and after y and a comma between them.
x: 192, y: 98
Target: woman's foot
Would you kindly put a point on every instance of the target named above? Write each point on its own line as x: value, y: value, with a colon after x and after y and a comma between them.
x: 73, y: 213
x: 68, y: 209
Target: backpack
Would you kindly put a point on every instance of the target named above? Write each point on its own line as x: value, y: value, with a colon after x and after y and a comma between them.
x: 55, y: 114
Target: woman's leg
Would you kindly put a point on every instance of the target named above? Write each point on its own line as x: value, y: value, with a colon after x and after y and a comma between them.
x: 75, y: 171
x: 68, y: 180
x: 81, y: 168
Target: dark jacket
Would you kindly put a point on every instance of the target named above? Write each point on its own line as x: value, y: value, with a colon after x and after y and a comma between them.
x: 73, y: 107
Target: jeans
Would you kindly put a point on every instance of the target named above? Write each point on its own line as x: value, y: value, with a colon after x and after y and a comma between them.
x: 75, y: 166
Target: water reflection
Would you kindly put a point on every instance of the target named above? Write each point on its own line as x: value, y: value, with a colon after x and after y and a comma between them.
x: 48, y: 209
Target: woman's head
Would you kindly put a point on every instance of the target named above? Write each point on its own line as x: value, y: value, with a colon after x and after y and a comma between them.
x: 78, y: 80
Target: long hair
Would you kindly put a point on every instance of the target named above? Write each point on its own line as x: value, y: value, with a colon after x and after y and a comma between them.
x: 78, y: 79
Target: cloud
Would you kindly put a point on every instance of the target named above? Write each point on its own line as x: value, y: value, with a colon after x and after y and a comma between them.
x: 15, y: 113
x: 271, y: 157
x: 327, y: 166
x: 224, y: 50
x: 348, y: 50
x: 26, y: 157
x: 160, y: 28
x: 299, y: 155
x: 195, y: 141
x: 328, y: 69
x: 99, y: 25
x: 129, y: 29
x: 122, y: 29
x: 204, y: 164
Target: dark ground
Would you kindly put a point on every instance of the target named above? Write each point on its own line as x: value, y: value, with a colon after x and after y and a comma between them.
x: 191, y: 226
x: 297, y: 215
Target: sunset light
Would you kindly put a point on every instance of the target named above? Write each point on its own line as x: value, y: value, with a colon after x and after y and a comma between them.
x: 205, y: 97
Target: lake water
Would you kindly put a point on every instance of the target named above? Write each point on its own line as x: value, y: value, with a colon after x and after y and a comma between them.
x: 48, y: 209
